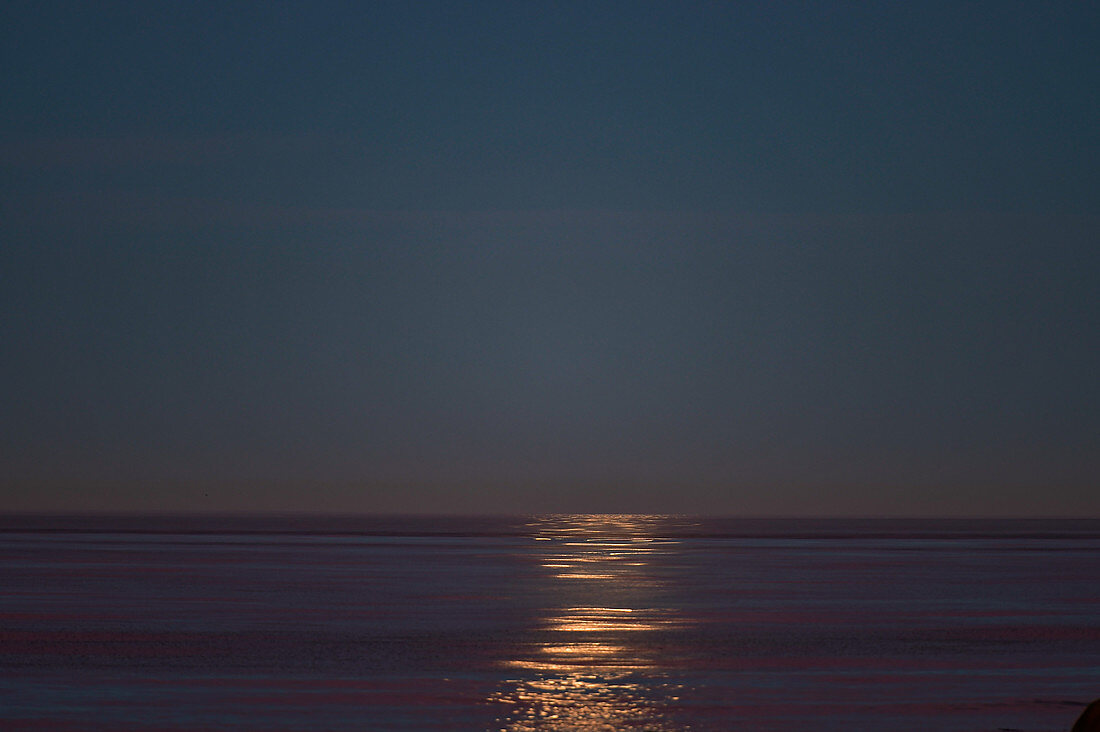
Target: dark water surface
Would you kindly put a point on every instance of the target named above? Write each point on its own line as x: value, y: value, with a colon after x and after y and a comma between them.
x: 585, y: 622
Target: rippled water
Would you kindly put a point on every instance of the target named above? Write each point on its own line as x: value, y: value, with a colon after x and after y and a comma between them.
x: 585, y: 622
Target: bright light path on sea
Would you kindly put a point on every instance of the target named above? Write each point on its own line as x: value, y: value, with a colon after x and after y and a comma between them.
x: 591, y: 666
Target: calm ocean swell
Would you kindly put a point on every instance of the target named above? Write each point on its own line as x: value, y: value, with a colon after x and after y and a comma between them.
x: 586, y: 622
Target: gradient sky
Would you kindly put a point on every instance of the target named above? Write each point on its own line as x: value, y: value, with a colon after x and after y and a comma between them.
x: 735, y: 258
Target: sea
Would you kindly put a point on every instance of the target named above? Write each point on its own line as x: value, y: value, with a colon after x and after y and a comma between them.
x: 546, y: 623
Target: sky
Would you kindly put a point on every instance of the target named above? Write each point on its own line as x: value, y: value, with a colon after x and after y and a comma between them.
x: 775, y: 259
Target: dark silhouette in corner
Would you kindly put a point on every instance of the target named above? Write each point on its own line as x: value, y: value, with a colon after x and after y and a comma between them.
x: 1089, y: 721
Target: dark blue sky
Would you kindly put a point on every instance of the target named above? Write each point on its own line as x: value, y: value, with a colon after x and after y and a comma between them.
x: 774, y: 258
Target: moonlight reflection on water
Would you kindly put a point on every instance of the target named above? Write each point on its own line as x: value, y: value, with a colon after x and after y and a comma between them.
x: 592, y: 665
